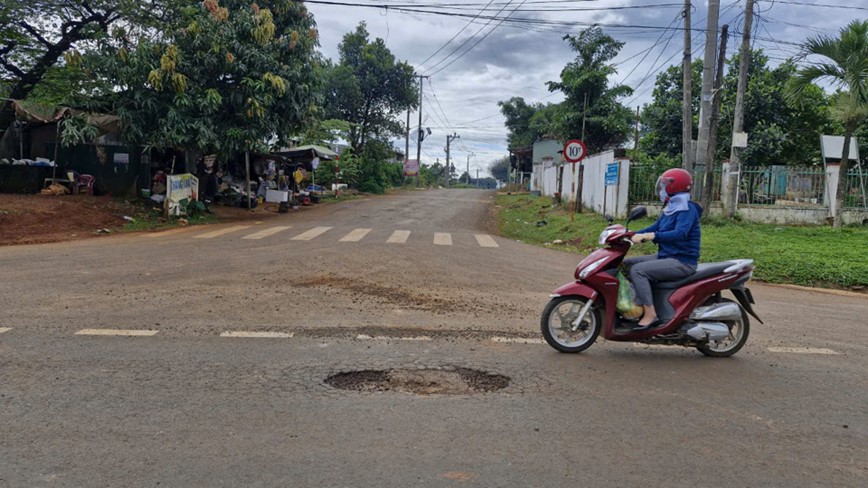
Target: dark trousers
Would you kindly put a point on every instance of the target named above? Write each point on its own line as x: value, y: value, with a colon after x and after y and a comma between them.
x: 645, y: 269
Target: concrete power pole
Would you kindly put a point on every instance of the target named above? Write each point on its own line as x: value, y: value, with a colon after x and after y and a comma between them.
x: 468, y: 166
x: 419, y: 134
x: 687, y: 98
x: 707, y: 85
x: 707, y: 189
x: 449, y: 140
x: 731, y: 171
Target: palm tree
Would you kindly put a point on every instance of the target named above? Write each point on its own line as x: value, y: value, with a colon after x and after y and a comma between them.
x: 845, y: 66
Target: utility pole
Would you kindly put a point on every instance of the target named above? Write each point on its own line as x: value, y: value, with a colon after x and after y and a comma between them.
x: 468, y: 166
x: 407, y: 139
x: 687, y: 95
x: 419, y: 133
x: 707, y: 85
x: 708, y: 189
x: 449, y: 140
x: 731, y: 172
x: 477, y: 177
x: 636, y: 135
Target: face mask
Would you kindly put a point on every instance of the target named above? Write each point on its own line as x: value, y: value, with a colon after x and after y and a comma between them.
x: 663, y: 195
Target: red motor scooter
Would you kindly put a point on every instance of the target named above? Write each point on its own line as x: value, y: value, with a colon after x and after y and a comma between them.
x: 693, y: 310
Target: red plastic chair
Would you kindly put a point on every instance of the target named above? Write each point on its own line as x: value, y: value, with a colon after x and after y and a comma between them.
x: 83, y: 181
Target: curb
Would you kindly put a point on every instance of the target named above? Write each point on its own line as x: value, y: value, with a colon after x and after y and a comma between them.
x: 827, y: 291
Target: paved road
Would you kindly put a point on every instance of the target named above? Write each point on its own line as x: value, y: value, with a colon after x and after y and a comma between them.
x: 184, y: 406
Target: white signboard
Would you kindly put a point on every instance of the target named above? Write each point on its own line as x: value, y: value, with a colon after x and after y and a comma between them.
x: 180, y: 187
x: 833, y: 147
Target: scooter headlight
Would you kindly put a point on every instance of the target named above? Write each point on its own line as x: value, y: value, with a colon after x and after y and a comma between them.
x: 591, y: 268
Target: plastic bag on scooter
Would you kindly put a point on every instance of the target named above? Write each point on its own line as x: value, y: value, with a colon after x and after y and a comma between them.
x: 626, y: 304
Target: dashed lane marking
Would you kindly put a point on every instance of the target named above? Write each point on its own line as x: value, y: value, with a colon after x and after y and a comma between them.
x: 365, y: 337
x: 5, y: 329
x: 517, y: 340
x: 311, y: 234
x: 117, y: 332
x: 217, y: 233
x: 442, y: 239
x: 804, y: 350
x: 355, y: 236
x: 267, y: 232
x: 267, y: 335
x: 486, y: 240
x: 398, y: 237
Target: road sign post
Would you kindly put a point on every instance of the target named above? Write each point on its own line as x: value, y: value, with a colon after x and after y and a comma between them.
x: 574, y: 152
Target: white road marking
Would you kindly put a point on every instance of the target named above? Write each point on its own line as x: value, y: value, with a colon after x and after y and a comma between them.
x: 442, y: 239
x: 311, y: 234
x: 517, y: 340
x: 486, y: 240
x: 267, y: 232
x: 5, y: 329
x: 804, y: 350
x: 355, y: 236
x: 167, y: 232
x: 365, y: 337
x: 267, y: 335
x: 399, y: 237
x: 117, y: 332
x: 217, y: 233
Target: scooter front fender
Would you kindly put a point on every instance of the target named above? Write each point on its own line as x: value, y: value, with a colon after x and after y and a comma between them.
x: 575, y: 289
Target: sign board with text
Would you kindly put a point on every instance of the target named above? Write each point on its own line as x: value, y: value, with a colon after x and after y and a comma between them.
x: 180, y: 187
x: 612, y: 174
x: 411, y: 167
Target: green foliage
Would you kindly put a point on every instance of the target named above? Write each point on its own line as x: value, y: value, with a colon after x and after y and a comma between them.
x: 368, y: 88
x: 811, y: 256
x: 661, y: 119
x: 499, y: 169
x: 216, y: 78
x: 193, y: 208
x: 77, y: 130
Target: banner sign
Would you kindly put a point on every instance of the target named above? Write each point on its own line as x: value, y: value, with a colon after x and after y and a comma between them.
x: 180, y: 187
x: 411, y: 167
x: 612, y: 174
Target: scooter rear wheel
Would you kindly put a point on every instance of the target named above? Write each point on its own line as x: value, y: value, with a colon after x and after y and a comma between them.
x: 738, y: 333
x: 557, y: 323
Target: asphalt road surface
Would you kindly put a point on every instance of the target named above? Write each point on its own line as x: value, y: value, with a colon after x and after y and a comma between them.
x: 231, y: 337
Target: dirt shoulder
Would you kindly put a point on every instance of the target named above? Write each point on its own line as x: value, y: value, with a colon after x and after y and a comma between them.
x: 38, y: 219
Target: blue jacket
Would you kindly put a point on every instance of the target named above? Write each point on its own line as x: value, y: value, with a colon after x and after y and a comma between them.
x: 677, y: 236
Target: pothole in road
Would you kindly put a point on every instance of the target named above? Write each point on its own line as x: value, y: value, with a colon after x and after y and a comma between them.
x: 434, y: 381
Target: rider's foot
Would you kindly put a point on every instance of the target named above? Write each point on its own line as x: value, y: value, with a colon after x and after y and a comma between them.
x: 650, y: 325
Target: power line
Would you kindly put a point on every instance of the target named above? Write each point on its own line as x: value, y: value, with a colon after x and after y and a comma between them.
x: 823, y: 5
x: 453, y: 37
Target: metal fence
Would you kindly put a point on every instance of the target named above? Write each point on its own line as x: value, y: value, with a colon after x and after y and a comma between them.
x: 643, y: 180
x: 783, y: 185
x: 856, y: 184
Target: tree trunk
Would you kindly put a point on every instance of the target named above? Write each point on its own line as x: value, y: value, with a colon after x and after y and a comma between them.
x: 841, y: 194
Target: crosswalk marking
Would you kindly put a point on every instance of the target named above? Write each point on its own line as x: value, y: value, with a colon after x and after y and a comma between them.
x: 442, y: 239
x: 486, y: 240
x: 5, y: 329
x: 167, y: 232
x: 266, y: 335
x: 267, y: 232
x: 217, y: 233
x: 398, y: 237
x: 117, y: 332
x: 366, y: 337
x: 804, y: 350
x: 517, y: 340
x: 311, y: 234
x: 355, y: 236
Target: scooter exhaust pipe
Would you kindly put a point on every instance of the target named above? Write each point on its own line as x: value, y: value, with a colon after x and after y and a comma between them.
x: 709, y: 331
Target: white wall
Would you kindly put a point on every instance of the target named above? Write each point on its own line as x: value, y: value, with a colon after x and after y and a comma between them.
x: 595, y: 194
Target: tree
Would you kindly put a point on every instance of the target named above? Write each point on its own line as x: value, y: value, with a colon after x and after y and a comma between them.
x: 231, y: 78
x: 368, y: 88
x: 661, y: 119
x: 499, y: 169
x: 607, y: 122
x: 845, y: 65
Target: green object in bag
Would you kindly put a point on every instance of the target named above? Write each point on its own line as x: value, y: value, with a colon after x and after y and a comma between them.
x: 626, y: 305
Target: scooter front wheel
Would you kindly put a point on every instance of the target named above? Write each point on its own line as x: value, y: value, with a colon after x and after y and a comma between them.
x: 557, y: 324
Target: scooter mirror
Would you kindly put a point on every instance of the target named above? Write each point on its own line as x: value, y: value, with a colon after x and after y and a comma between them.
x: 609, y: 219
x: 637, y: 213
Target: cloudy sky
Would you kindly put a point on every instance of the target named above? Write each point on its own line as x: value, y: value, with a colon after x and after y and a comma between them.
x: 490, y: 60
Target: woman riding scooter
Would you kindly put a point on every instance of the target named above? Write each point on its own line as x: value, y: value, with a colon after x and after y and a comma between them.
x: 677, y: 236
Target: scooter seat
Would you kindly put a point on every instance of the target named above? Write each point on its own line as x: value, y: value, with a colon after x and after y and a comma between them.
x: 704, y: 270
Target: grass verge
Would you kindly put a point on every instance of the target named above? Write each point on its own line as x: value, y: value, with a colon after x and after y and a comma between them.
x: 808, y: 256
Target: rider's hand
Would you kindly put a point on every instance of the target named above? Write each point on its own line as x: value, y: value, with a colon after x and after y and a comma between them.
x: 640, y: 238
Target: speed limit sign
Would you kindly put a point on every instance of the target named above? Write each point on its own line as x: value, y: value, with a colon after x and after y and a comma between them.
x: 575, y: 151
